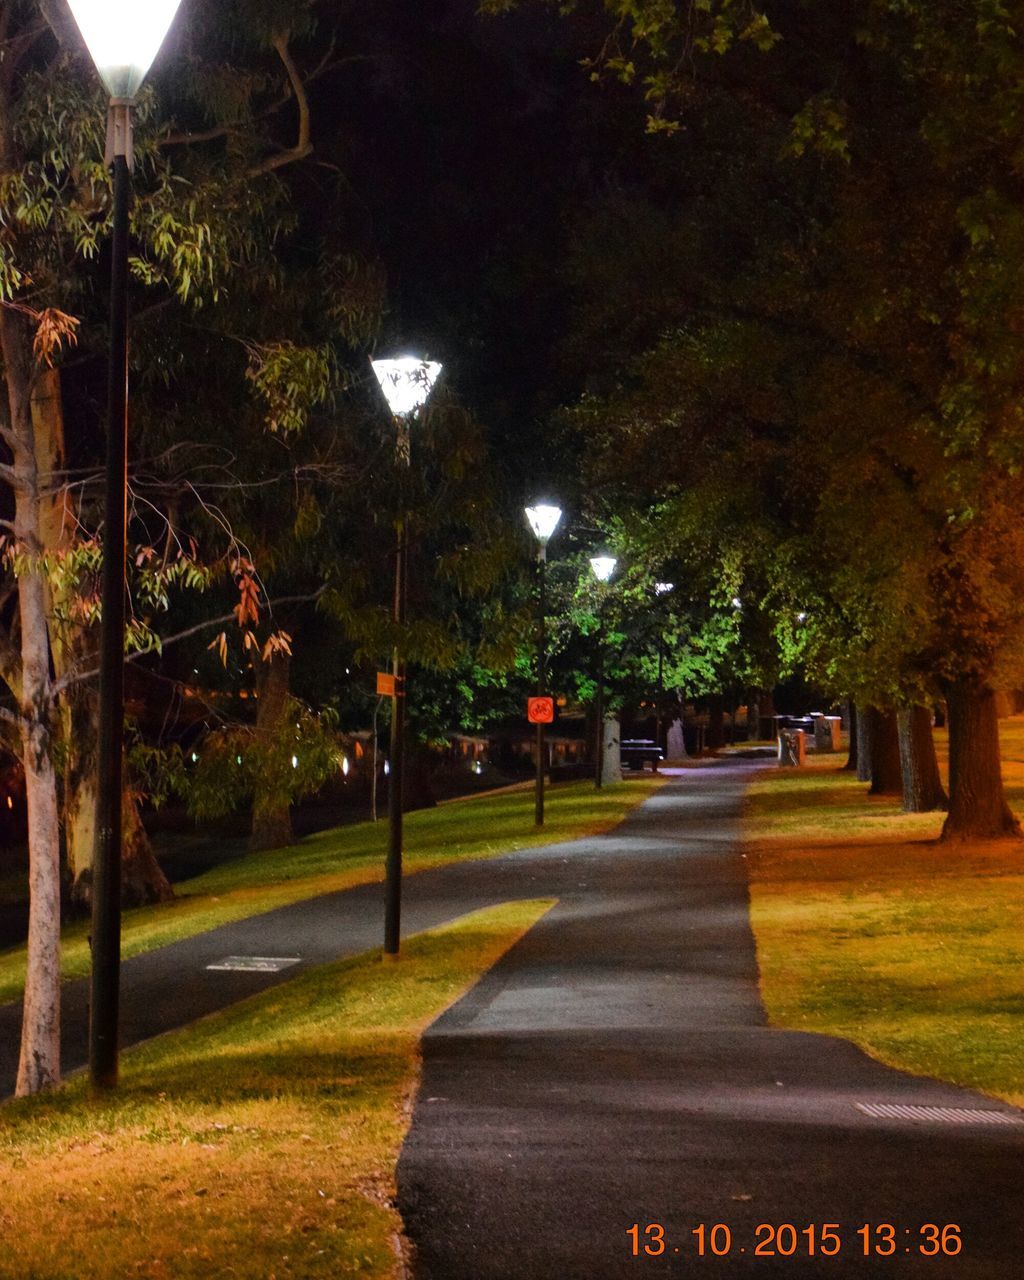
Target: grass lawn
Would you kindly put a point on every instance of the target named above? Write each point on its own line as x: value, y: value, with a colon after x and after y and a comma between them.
x: 330, y: 860
x: 870, y: 929
x: 259, y: 1143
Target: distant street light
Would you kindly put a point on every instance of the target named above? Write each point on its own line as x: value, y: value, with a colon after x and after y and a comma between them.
x: 660, y: 589
x: 603, y: 567
x: 543, y: 520
x: 123, y: 37
x: 406, y: 384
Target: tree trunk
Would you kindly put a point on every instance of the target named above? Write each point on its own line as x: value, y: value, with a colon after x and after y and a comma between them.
x: 142, y: 877
x: 864, y: 726
x: 39, y: 1061
x: 922, y: 787
x: 753, y: 707
x: 977, y: 801
x: 886, y: 775
x: 271, y: 811
x: 716, y: 722
x: 71, y: 647
x: 851, y: 763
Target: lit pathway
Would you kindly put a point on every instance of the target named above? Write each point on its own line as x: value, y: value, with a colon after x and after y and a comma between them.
x: 616, y: 1068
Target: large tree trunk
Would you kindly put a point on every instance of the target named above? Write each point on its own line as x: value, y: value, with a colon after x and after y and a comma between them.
x: 851, y: 761
x: 716, y: 722
x: 271, y: 811
x: 142, y: 880
x: 864, y: 727
x: 886, y: 775
x: 922, y: 787
x: 977, y: 801
x: 39, y: 1062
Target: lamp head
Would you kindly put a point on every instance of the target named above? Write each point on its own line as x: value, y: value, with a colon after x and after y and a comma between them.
x: 543, y: 520
x: 406, y: 383
x: 603, y: 567
x: 123, y: 37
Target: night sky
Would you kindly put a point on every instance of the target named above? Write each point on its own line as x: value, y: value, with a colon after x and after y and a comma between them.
x: 466, y: 146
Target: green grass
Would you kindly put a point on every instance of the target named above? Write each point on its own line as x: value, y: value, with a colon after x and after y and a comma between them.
x: 868, y: 928
x: 482, y: 827
x: 259, y: 1143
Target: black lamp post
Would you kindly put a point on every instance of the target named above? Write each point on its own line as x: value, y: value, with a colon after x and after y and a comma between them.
x: 543, y: 520
x: 660, y: 589
x: 123, y: 37
x: 406, y: 384
x: 603, y: 567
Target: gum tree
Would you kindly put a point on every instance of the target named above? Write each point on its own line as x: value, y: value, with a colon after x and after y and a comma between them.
x: 214, y: 140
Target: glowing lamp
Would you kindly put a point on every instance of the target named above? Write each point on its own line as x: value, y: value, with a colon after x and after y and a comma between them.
x: 661, y: 587
x: 123, y: 37
x: 406, y: 383
x: 603, y: 567
x: 543, y: 521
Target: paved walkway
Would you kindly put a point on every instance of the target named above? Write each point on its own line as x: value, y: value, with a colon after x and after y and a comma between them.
x: 615, y: 1068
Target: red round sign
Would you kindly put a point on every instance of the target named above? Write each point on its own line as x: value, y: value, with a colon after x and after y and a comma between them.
x: 540, y: 710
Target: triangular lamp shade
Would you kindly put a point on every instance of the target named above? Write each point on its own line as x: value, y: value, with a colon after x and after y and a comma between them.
x: 543, y: 520
x: 124, y: 36
x: 406, y: 383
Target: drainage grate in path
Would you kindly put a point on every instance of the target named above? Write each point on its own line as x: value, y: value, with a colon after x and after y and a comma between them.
x: 940, y: 1115
x: 255, y: 964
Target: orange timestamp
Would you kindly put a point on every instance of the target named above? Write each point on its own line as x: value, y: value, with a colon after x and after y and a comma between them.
x: 807, y: 1240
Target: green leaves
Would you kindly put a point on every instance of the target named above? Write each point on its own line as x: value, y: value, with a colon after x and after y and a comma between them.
x: 291, y: 380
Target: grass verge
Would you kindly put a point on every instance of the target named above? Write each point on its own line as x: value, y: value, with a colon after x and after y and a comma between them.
x: 259, y: 1143
x: 870, y: 929
x: 340, y: 859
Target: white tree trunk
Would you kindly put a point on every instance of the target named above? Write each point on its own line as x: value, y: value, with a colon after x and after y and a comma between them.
x: 39, y: 1063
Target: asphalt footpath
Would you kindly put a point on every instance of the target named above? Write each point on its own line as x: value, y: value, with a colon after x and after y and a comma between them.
x: 609, y: 1101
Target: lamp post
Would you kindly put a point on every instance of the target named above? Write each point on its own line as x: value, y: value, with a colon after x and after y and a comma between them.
x: 543, y: 520
x: 123, y: 38
x: 660, y: 589
x: 603, y: 567
x: 406, y: 384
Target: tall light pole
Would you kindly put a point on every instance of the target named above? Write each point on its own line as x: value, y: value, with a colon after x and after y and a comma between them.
x: 543, y: 520
x: 123, y: 37
x: 660, y: 589
x: 603, y: 567
x: 406, y: 383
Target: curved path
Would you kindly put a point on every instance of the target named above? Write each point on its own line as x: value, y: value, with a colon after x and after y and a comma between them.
x: 616, y: 1068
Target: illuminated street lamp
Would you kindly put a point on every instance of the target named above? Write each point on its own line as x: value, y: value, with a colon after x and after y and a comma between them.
x: 123, y: 37
x: 543, y: 520
x: 406, y: 384
x: 660, y: 589
x: 603, y: 567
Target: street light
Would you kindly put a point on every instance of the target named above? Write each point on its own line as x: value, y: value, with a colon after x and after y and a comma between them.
x: 543, y: 520
x: 603, y: 567
x: 660, y: 589
x: 123, y: 37
x: 406, y: 384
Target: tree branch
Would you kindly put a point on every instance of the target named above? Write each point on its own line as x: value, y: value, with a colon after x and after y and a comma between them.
x: 303, y: 145
x: 77, y: 677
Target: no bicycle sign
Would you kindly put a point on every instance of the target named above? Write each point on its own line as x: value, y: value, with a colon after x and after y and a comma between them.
x: 540, y: 710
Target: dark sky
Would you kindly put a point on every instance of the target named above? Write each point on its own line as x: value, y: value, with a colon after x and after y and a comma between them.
x: 466, y: 144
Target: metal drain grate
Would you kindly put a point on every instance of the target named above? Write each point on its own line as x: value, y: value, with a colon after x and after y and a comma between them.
x: 939, y: 1115
x: 255, y: 964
